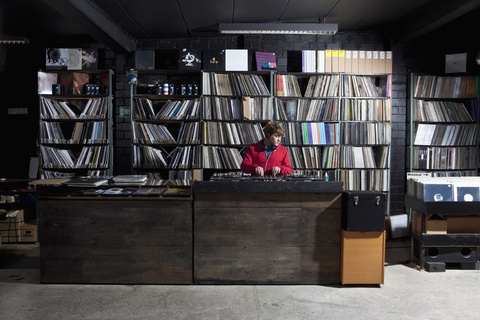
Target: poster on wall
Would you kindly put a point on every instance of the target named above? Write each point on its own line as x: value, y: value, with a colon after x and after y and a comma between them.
x: 456, y: 63
x: 56, y: 59
x: 89, y: 59
x: 74, y: 59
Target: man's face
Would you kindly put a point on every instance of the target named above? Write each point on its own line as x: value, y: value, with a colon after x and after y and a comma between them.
x: 274, y: 140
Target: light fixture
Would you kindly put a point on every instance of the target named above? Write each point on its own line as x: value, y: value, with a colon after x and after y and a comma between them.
x: 13, y: 40
x: 278, y: 28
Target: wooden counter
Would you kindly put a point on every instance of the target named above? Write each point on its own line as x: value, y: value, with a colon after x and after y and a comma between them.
x: 267, y: 232
x: 227, y: 233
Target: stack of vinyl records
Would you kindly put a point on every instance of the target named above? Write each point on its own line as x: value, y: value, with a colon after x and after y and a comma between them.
x: 129, y: 180
x: 86, y: 182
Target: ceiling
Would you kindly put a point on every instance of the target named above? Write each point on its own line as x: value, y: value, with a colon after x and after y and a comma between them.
x: 121, y: 24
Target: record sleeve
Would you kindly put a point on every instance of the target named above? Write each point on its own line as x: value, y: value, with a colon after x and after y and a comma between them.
x: 117, y: 192
x: 149, y: 192
x: 177, y: 192
x: 87, y: 193
x: 438, y: 192
x: 213, y: 60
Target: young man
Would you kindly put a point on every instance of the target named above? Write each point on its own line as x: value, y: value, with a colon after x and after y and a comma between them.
x: 268, y: 157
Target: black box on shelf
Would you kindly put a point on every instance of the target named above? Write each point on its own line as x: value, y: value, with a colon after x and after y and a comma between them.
x: 166, y: 59
x: 363, y: 211
x: 144, y: 60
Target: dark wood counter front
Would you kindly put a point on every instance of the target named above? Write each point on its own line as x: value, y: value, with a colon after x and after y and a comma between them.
x: 267, y: 232
x: 227, y: 233
x: 120, y: 240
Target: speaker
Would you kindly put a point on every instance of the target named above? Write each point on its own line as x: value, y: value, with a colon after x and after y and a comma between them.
x: 363, y: 211
x: 451, y: 254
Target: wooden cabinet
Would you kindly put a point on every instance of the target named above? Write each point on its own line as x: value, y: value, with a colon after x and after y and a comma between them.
x: 363, y: 257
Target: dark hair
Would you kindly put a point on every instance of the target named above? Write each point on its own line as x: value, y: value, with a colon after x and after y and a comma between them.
x: 274, y: 127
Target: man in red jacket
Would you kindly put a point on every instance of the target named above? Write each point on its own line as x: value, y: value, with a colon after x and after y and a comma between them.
x: 268, y: 157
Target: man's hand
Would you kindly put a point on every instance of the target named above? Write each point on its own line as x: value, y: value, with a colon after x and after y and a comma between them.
x: 259, y: 171
x: 276, y: 171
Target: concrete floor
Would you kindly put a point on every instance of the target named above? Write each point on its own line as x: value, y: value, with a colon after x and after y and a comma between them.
x: 406, y: 294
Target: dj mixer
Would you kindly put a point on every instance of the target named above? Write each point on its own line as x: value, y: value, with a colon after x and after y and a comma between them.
x: 237, y: 177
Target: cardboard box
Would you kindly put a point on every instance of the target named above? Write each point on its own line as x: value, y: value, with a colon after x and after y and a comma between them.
x: 197, y: 174
x: 335, y: 61
x: 388, y: 62
x: 463, y: 224
x: 341, y: 60
x: 28, y: 231
x: 348, y: 61
x: 355, y: 61
x: 10, y: 227
x: 382, y: 58
x: 434, y: 224
x: 376, y: 63
x: 362, y: 60
x: 368, y: 61
x: 328, y: 60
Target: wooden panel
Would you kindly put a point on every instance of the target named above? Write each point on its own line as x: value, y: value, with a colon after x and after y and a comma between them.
x: 321, y: 239
x: 244, y: 227
x: 247, y: 200
x: 121, y: 264
x: 321, y: 265
x: 242, y: 238
x: 247, y: 265
x: 321, y: 228
x: 106, y: 223
x: 322, y: 200
x: 363, y: 257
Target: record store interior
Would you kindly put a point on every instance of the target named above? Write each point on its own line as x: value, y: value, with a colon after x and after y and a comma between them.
x: 239, y: 159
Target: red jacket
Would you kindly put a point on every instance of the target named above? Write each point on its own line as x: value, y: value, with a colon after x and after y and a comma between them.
x: 256, y: 156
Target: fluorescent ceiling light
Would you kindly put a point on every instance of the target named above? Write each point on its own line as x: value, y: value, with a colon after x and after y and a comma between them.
x: 13, y: 40
x: 278, y: 28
